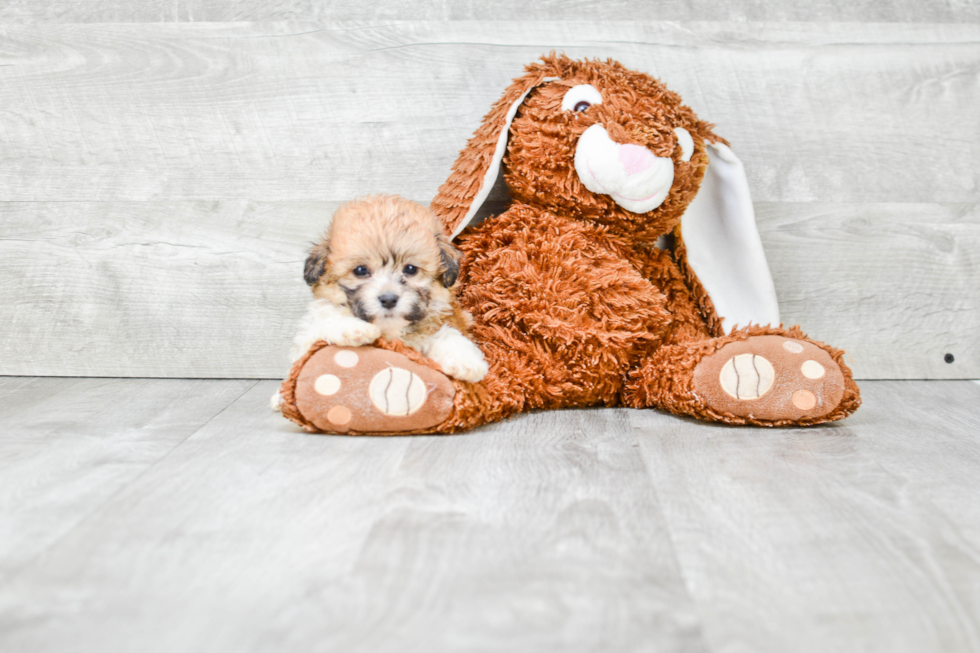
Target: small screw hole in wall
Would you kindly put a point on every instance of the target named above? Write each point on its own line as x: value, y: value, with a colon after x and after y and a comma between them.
x: 949, y: 358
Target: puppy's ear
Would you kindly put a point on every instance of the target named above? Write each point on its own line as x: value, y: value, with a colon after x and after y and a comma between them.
x: 449, y: 265
x: 316, y: 262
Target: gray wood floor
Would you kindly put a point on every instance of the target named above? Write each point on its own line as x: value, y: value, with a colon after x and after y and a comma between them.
x: 182, y: 515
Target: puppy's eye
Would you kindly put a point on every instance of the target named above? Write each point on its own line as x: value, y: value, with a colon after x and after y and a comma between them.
x: 410, y: 270
x: 580, y: 98
x: 362, y: 271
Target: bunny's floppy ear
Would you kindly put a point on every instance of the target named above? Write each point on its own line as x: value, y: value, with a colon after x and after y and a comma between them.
x: 478, y: 165
x: 723, y: 246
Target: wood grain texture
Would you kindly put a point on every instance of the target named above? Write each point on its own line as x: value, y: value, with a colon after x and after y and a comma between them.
x: 158, y: 183
x: 146, y: 11
x: 154, y: 289
x: 547, y: 538
x: 896, y: 285
x: 186, y: 516
x: 306, y: 111
x: 538, y: 534
x: 859, y: 536
x: 69, y: 445
x: 214, y: 289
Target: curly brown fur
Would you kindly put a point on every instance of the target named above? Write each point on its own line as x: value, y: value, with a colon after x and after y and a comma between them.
x: 567, y: 290
x: 538, y: 289
x: 699, y: 299
x: 548, y: 306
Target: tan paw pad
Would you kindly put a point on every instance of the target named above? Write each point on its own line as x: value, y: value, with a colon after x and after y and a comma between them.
x: 792, y: 346
x: 770, y: 378
x: 746, y: 376
x: 339, y: 415
x: 327, y: 384
x: 346, y: 358
x: 804, y: 400
x: 812, y: 369
x: 396, y: 391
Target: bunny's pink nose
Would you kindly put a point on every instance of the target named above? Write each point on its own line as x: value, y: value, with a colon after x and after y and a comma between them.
x: 635, y: 159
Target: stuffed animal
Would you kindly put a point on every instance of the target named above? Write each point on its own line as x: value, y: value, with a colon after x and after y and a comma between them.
x: 627, y: 271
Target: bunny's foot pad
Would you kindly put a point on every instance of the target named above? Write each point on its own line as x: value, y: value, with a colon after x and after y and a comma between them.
x: 770, y: 378
x: 371, y: 390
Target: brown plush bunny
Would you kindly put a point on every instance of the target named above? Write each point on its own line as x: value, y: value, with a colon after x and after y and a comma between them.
x: 627, y: 270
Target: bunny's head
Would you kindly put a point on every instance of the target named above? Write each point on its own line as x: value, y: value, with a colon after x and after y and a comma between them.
x: 596, y: 141
x: 587, y: 139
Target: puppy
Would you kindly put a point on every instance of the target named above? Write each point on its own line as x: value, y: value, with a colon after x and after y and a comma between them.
x: 385, y: 269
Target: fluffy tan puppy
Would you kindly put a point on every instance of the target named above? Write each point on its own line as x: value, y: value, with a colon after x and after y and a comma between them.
x: 385, y: 269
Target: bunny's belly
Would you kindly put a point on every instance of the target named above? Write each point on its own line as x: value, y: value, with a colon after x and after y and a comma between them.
x: 560, y: 314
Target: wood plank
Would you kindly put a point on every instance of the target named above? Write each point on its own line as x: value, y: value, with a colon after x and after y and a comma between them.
x: 537, y: 534
x: 858, y: 536
x: 214, y: 289
x: 307, y: 111
x: 154, y: 289
x: 26, y: 393
x: 67, y: 446
x: 547, y: 536
x: 183, y: 168
x: 145, y: 11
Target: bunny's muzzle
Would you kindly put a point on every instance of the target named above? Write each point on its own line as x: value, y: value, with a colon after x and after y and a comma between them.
x: 632, y: 175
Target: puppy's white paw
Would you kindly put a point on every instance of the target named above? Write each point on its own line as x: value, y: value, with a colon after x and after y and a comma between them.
x: 457, y: 355
x: 351, y: 332
x: 465, y: 368
x: 274, y: 402
x: 342, y: 332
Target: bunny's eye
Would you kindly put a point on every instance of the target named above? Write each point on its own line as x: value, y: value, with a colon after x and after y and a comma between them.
x: 686, y: 143
x: 580, y: 98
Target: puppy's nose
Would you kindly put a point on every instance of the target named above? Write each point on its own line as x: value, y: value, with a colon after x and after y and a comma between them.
x: 388, y: 300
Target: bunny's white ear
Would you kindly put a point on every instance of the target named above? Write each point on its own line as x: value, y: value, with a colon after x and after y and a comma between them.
x: 723, y: 245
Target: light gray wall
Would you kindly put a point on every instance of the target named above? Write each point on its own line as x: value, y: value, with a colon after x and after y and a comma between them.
x: 160, y: 178
x: 149, y: 11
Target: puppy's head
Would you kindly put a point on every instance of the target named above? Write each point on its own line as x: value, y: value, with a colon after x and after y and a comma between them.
x: 386, y: 259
